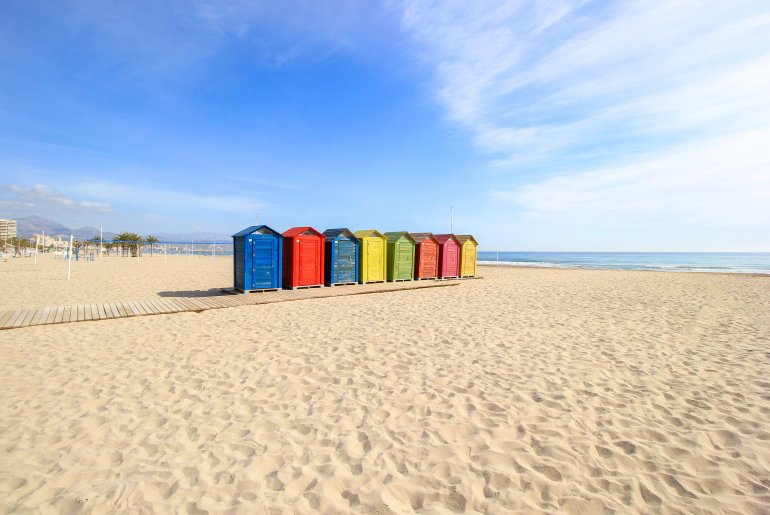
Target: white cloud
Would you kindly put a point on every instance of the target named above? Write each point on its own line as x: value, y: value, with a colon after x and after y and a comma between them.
x: 721, y: 183
x: 41, y: 196
x: 531, y: 80
x: 163, y: 199
x: 634, y: 114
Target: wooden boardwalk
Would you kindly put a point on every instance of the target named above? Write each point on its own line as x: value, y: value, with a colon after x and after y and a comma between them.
x: 14, y: 319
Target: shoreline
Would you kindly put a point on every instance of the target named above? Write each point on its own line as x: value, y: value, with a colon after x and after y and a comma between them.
x: 504, y: 264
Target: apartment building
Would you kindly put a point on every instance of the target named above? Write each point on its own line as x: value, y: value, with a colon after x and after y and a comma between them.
x: 7, y: 229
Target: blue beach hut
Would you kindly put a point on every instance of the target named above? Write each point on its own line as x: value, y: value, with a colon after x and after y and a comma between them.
x: 341, y: 260
x: 257, y: 257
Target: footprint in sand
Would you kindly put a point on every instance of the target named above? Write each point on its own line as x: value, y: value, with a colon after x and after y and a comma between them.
x: 627, y: 447
x: 454, y: 501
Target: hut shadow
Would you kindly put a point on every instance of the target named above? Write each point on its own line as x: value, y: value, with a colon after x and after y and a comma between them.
x: 212, y: 292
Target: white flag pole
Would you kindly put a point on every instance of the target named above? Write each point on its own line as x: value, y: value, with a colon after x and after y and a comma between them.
x: 69, y: 261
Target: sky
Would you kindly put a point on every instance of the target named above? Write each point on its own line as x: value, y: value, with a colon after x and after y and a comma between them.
x: 546, y: 126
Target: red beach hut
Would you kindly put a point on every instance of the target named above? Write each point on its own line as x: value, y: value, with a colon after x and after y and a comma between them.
x: 448, y: 256
x: 303, y: 258
x: 425, y: 255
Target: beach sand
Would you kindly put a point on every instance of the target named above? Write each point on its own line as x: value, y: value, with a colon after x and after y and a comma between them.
x: 24, y: 284
x: 531, y: 390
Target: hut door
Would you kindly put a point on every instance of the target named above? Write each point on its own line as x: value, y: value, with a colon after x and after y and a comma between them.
x: 428, y: 261
x: 345, y: 262
x: 308, y: 261
x: 452, y: 263
x: 469, y: 259
x: 263, y: 258
x: 374, y: 260
x: 403, y: 260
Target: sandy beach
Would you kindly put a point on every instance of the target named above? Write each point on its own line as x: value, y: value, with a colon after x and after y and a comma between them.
x: 24, y: 284
x: 530, y: 391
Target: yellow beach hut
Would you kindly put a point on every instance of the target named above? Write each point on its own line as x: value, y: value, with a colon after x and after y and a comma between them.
x: 372, y: 260
x: 468, y: 252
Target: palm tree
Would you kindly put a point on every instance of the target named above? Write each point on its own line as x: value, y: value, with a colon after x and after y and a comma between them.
x: 151, y: 239
x: 129, y: 242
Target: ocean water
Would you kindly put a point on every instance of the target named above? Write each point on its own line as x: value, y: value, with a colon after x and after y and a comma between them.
x: 725, y: 262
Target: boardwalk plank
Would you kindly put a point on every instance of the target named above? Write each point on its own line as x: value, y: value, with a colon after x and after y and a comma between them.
x: 178, y: 307
x: 185, y: 304
x: 17, y: 320
x: 157, y: 306
x: 137, y: 307
x: 127, y: 309
x: 204, y: 302
x: 117, y: 309
x: 51, y: 315
x: 219, y: 302
x: 196, y: 302
x: 42, y: 319
x: 168, y: 307
x: 39, y: 313
x: 5, y: 316
x: 173, y: 306
x: 82, y: 312
x: 151, y: 310
x: 12, y: 319
x: 28, y: 317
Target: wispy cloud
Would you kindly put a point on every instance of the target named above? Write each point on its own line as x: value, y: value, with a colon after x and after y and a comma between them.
x: 610, y: 113
x: 722, y: 183
x: 41, y: 196
x: 165, y: 199
x: 533, y: 81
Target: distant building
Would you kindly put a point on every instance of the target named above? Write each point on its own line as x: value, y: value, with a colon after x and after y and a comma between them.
x: 7, y: 229
x: 48, y: 242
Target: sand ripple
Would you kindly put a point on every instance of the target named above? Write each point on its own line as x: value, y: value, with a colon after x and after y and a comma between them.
x: 533, y: 391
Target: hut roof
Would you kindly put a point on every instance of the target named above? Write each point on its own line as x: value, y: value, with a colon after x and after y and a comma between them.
x: 365, y: 233
x: 420, y: 237
x: 334, y: 233
x: 443, y: 238
x: 256, y: 228
x: 397, y: 235
x: 462, y: 238
x: 296, y: 231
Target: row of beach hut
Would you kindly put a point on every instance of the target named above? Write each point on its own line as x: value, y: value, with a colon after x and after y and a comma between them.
x: 302, y: 257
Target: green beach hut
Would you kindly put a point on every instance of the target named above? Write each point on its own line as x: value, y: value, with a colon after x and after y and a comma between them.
x: 401, y: 247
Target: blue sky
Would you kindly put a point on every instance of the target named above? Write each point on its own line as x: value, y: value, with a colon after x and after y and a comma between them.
x: 560, y: 125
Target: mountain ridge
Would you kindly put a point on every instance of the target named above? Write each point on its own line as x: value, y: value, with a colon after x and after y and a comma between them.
x: 29, y: 225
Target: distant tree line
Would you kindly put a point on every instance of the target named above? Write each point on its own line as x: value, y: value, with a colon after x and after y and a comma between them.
x: 128, y: 243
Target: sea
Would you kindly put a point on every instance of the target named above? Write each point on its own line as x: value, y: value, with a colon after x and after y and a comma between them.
x: 720, y: 262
